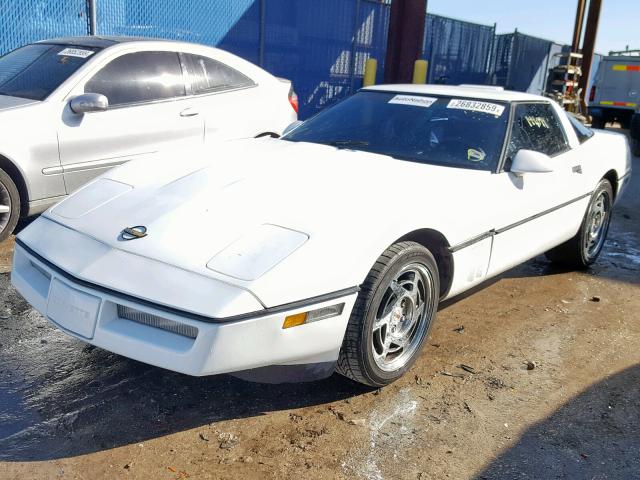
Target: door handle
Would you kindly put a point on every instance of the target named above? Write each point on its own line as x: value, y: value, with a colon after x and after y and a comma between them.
x: 576, y: 169
x: 189, y: 112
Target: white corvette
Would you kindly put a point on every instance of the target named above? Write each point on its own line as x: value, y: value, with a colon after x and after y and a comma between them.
x: 328, y: 249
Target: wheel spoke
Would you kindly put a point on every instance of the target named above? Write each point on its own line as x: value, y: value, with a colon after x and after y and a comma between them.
x: 397, y: 290
x: 382, y: 321
x: 5, y: 209
x: 386, y: 345
x: 415, y: 288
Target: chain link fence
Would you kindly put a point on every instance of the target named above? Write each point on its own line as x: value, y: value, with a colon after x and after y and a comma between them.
x: 26, y: 21
x: 321, y: 46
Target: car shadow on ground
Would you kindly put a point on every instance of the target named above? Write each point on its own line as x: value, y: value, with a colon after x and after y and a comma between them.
x: 594, y: 435
x: 60, y: 397
x: 90, y: 400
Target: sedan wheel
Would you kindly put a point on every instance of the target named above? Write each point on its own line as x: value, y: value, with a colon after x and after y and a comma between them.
x: 392, y: 316
x: 9, y: 205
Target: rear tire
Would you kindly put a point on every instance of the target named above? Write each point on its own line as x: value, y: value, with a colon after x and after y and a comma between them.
x: 635, y: 147
x: 392, y: 316
x: 9, y: 205
x: 598, y: 122
x: 584, y: 249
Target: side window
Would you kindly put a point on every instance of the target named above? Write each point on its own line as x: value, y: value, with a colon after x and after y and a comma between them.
x: 583, y: 132
x: 139, y: 77
x: 536, y: 127
x: 208, y: 75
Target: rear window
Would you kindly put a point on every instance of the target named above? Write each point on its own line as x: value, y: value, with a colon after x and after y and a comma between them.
x: 583, y: 132
x: 208, y: 75
x: 35, y: 71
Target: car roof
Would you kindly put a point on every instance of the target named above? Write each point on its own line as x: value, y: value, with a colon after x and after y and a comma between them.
x: 100, y: 41
x: 483, y: 92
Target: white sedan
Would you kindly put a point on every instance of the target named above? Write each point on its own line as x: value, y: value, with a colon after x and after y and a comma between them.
x: 72, y: 108
x: 328, y: 249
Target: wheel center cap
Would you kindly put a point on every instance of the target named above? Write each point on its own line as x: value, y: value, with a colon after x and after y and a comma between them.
x: 396, y: 315
x: 401, y: 315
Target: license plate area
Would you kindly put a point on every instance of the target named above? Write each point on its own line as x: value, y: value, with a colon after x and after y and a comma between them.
x: 72, y: 309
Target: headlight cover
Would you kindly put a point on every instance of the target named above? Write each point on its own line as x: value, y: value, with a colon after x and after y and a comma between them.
x: 257, y: 252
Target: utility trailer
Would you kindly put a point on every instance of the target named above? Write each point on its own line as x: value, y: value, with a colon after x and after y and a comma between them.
x: 615, y: 93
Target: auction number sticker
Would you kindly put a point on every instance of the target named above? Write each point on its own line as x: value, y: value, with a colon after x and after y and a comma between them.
x: 475, y: 106
x: 414, y: 100
x: 76, y: 52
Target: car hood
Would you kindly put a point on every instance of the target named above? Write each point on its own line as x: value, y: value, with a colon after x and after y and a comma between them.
x: 10, y: 103
x: 194, y: 204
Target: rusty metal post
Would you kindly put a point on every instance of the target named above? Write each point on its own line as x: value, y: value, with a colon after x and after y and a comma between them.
x: 405, y: 39
x: 577, y: 29
x: 588, y: 46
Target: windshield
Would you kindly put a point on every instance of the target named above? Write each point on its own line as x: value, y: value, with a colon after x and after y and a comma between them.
x: 437, y: 130
x: 34, y: 71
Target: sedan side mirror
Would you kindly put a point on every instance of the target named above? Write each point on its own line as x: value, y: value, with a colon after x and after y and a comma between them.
x: 89, y: 102
x: 292, y: 127
x: 530, y: 161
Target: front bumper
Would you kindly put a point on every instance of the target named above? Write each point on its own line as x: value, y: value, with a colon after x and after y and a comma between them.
x: 93, y: 315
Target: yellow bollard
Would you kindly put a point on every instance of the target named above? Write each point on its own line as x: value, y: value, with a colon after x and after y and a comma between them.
x: 370, y: 67
x: 420, y: 71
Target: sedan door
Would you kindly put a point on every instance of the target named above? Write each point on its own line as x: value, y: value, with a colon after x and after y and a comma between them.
x: 536, y: 211
x: 148, y: 112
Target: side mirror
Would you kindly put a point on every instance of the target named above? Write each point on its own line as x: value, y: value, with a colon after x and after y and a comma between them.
x: 529, y: 161
x: 89, y: 102
x: 292, y: 127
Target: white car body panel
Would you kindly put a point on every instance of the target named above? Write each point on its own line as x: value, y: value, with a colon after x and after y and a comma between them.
x: 194, y: 209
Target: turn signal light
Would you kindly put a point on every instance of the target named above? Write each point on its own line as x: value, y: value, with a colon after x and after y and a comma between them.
x: 295, y: 320
x: 298, y: 319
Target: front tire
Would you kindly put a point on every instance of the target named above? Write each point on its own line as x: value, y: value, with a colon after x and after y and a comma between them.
x: 9, y: 205
x: 392, y: 316
x: 584, y: 249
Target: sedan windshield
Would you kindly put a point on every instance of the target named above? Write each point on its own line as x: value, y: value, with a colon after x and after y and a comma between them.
x: 438, y: 130
x: 35, y: 71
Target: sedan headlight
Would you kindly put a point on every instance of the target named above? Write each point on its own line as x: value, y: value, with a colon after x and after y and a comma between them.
x: 257, y: 252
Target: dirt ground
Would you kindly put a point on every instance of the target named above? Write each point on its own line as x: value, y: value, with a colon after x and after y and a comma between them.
x: 68, y: 410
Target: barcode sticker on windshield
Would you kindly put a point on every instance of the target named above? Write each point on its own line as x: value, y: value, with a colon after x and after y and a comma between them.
x: 475, y: 106
x: 414, y: 100
x: 76, y: 52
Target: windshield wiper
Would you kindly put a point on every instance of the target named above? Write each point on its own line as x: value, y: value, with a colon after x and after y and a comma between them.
x: 347, y: 143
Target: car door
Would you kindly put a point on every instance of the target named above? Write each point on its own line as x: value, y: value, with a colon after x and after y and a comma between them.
x: 536, y: 211
x: 224, y: 96
x: 148, y: 112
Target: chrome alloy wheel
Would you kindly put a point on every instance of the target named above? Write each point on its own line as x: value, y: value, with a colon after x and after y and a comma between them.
x: 403, y: 317
x: 597, y: 224
x: 5, y: 207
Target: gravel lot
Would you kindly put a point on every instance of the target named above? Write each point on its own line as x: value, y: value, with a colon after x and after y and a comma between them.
x: 549, y: 389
